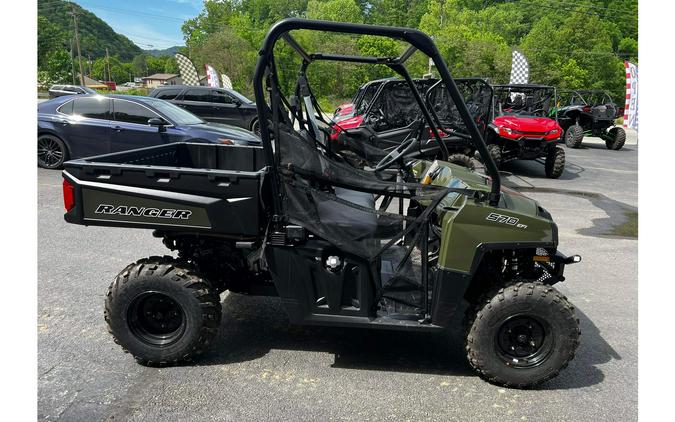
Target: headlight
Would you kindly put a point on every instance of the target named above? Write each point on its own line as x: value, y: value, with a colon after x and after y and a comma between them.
x: 506, y: 130
x: 553, y: 132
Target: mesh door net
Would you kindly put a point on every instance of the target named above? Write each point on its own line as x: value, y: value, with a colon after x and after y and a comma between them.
x: 323, y: 193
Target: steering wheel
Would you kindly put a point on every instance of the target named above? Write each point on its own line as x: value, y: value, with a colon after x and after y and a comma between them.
x: 394, y: 155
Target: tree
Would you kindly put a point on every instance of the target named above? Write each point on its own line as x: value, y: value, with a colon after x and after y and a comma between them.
x: 139, y: 65
x: 50, y: 39
x: 56, y: 68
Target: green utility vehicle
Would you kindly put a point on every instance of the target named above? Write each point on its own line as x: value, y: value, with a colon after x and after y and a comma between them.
x: 409, y: 244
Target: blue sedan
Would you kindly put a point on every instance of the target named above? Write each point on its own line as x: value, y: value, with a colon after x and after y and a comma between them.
x: 85, y: 125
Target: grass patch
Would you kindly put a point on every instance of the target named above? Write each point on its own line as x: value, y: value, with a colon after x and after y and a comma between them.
x: 629, y: 228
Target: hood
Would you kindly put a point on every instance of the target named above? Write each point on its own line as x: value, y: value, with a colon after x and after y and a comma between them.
x: 455, y: 176
x: 215, y: 131
x: 526, y: 124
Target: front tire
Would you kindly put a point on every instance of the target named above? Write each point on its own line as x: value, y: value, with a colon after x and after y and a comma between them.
x: 495, y: 152
x: 462, y: 160
x: 521, y: 335
x: 51, y: 152
x: 162, y: 312
x: 555, y: 162
x: 618, y: 138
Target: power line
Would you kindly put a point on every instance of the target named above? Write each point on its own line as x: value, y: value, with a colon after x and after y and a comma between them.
x: 130, y: 12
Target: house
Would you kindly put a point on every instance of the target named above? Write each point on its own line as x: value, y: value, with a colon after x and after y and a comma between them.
x: 93, y: 83
x: 158, y: 79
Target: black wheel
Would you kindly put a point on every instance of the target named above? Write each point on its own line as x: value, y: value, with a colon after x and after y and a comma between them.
x: 51, y: 152
x: 573, y: 136
x: 495, y: 152
x: 255, y: 127
x: 462, y: 160
x: 555, y: 162
x: 618, y: 138
x: 162, y: 312
x: 521, y: 335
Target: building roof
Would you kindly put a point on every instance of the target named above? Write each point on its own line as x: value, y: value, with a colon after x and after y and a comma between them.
x: 93, y: 83
x: 161, y: 76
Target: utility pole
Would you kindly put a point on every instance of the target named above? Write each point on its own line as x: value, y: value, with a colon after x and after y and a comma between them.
x: 77, y: 41
x: 72, y: 61
x: 107, y: 63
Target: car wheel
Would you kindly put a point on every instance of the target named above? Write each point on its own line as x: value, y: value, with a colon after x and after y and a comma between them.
x: 255, y: 127
x: 51, y: 152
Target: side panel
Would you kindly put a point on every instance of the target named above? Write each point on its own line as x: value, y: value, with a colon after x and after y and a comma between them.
x: 475, y: 227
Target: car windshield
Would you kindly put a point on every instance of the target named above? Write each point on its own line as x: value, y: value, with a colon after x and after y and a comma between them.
x: 174, y: 113
x: 240, y: 97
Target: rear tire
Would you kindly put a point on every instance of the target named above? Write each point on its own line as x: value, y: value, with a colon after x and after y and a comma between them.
x: 521, y: 335
x: 618, y: 138
x: 462, y: 160
x: 574, y: 135
x: 555, y: 162
x: 52, y: 152
x: 255, y: 127
x: 495, y: 152
x: 162, y: 312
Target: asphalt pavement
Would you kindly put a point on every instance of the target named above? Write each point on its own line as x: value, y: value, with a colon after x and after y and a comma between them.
x: 262, y: 368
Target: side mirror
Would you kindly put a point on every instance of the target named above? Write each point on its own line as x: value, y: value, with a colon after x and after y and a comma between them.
x: 156, y: 121
x: 236, y: 102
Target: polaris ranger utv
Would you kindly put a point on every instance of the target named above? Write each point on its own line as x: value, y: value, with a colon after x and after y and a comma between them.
x: 297, y: 220
x: 524, y: 128
x: 592, y: 113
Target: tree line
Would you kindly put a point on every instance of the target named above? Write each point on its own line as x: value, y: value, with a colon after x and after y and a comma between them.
x: 569, y: 44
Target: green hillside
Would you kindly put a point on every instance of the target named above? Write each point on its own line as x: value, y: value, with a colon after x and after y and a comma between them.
x: 95, y: 34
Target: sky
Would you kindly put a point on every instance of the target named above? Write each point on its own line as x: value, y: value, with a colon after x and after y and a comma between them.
x: 151, y: 24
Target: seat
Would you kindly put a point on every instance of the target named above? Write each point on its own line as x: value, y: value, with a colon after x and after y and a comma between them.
x: 339, y: 214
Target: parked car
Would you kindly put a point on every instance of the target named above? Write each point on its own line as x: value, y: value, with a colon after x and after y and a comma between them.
x: 525, y: 127
x: 62, y: 90
x: 592, y: 113
x: 218, y: 105
x: 90, y: 125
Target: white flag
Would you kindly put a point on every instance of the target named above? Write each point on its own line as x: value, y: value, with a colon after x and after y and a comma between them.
x: 520, y: 69
x: 226, y: 81
x: 630, y: 112
x: 211, y: 76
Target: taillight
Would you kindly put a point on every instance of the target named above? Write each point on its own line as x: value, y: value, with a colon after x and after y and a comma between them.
x: 587, y: 109
x: 68, y: 195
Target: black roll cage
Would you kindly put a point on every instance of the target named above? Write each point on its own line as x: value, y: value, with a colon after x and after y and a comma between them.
x: 418, y: 40
x: 521, y: 87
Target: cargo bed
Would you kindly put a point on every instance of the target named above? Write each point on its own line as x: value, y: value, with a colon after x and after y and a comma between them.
x: 176, y: 187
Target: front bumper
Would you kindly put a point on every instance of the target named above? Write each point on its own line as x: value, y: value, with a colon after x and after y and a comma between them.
x: 559, y: 261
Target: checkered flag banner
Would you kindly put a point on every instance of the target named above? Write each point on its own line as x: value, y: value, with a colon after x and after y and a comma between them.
x: 630, y: 111
x: 211, y: 76
x: 187, y: 69
x: 227, y: 83
x: 520, y: 69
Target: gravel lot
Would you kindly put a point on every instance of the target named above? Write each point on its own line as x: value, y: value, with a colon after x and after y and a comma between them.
x: 261, y: 368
